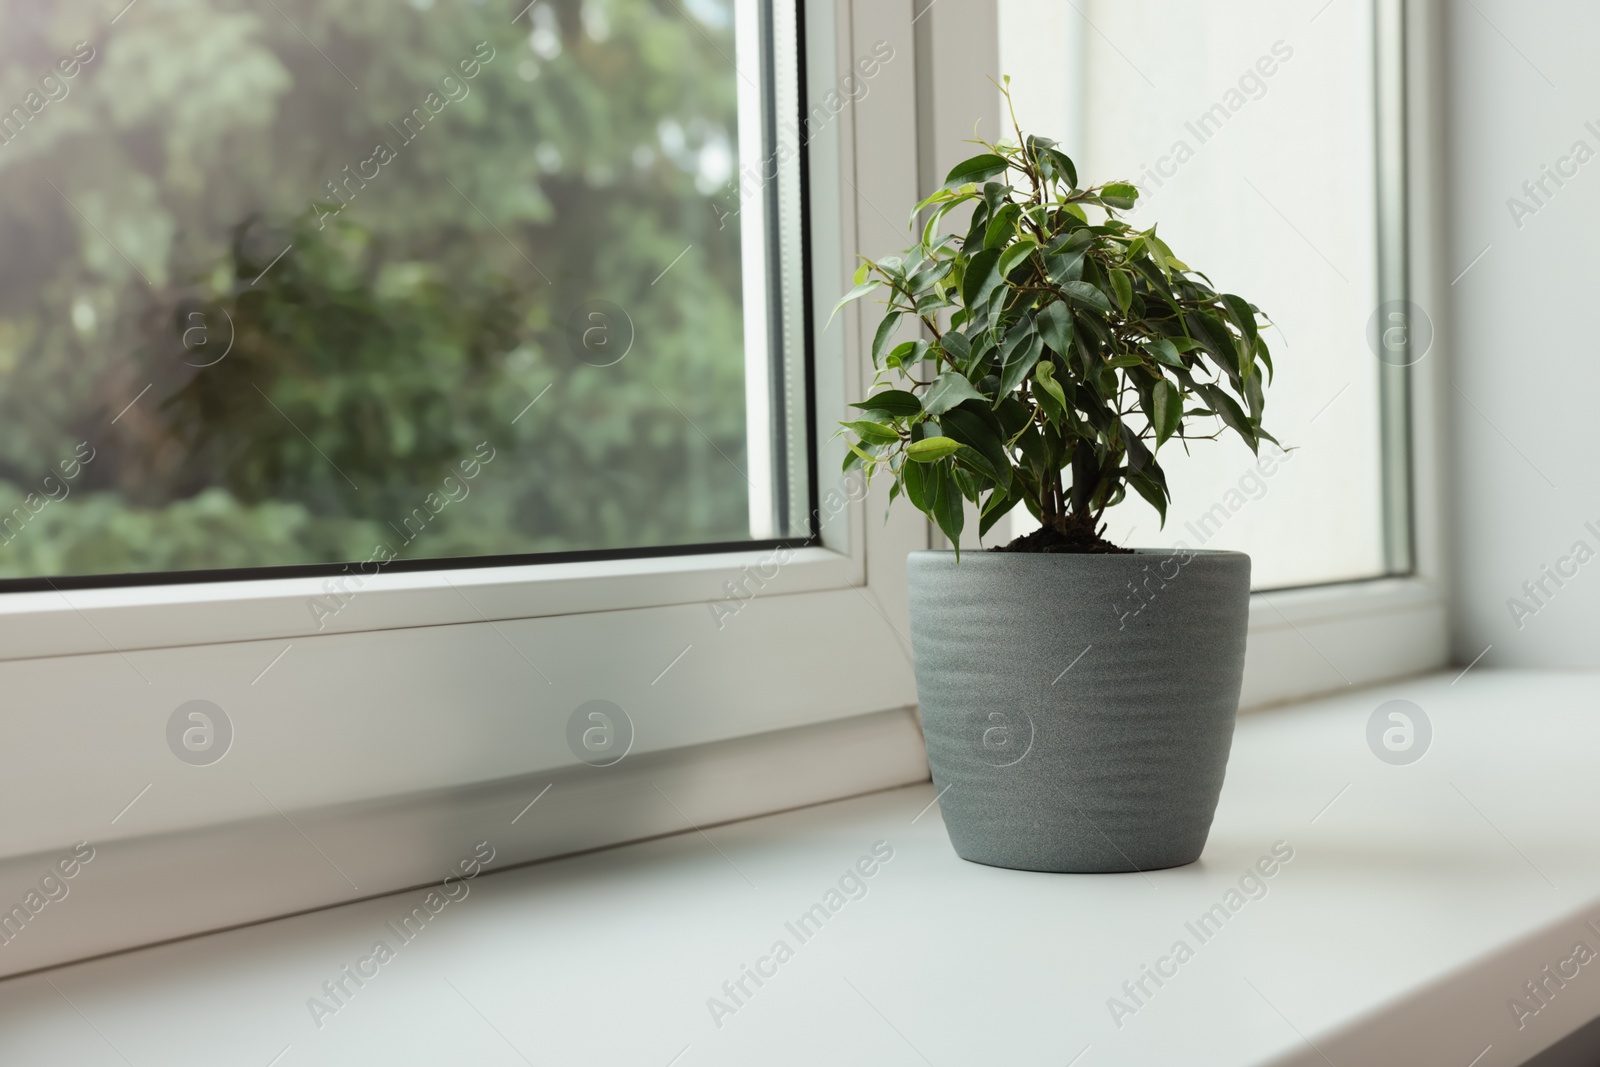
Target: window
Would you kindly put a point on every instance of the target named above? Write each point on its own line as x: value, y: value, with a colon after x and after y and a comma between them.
x: 404, y: 713
x: 1264, y: 138
x: 310, y: 284
x: 747, y: 676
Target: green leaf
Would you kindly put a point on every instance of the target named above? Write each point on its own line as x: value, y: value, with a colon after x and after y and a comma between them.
x: 981, y: 278
x: 1264, y: 356
x: 1155, y: 495
x: 896, y: 403
x: 1166, y: 252
x: 996, y: 302
x: 1012, y: 414
x: 1000, y: 502
x: 872, y: 433
x: 1254, y: 398
x: 1119, y: 195
x: 967, y: 479
x: 1062, y: 163
x: 1164, y: 351
x: 932, y: 449
x: 861, y: 273
x: 957, y: 347
x: 943, y: 196
x: 1139, y: 456
x: 948, y: 390
x: 947, y: 508
x: 1014, y: 255
x: 857, y: 293
x: 1167, y: 403
x: 986, y: 454
x: 1019, y: 353
x: 1044, y: 378
x: 880, y: 340
x: 984, y: 352
x: 1055, y: 326
x: 1084, y: 293
x: 1122, y: 287
x: 948, y: 205
x: 1035, y: 451
x: 1244, y: 316
x: 1228, y: 409
x: 858, y: 456
x: 977, y: 169
x: 996, y: 195
x: 923, y: 281
x: 1001, y: 226
x: 1213, y: 333
x: 915, y: 479
x: 1066, y: 266
x: 907, y: 354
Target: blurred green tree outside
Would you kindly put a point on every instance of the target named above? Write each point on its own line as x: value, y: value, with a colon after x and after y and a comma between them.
x: 212, y: 182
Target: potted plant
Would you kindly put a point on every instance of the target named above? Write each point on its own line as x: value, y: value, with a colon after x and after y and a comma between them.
x: 1077, y: 698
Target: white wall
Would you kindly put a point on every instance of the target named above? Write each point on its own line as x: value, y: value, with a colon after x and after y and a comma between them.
x: 958, y: 64
x: 1522, y: 84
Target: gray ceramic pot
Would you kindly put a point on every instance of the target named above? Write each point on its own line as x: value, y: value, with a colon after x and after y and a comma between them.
x: 1078, y: 709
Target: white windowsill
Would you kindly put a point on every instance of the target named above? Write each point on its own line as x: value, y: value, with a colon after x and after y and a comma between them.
x: 127, y: 618
x: 1416, y: 904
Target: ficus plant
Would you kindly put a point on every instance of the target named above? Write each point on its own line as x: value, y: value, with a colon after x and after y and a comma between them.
x: 1059, y: 350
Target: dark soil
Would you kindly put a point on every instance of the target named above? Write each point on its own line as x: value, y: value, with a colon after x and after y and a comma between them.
x: 1077, y: 538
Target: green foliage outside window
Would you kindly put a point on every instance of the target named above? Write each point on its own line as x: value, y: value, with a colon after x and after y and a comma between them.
x: 418, y: 310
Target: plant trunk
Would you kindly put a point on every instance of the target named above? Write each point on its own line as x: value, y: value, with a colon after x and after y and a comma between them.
x: 1085, y: 474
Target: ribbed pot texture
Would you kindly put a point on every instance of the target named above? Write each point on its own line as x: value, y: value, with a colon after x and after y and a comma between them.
x: 1078, y: 709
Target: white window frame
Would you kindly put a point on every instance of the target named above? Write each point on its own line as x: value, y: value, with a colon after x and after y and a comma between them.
x: 1326, y: 638
x: 406, y: 724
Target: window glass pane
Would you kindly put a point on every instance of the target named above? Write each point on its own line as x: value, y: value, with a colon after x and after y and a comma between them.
x: 1250, y: 131
x: 317, y: 281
